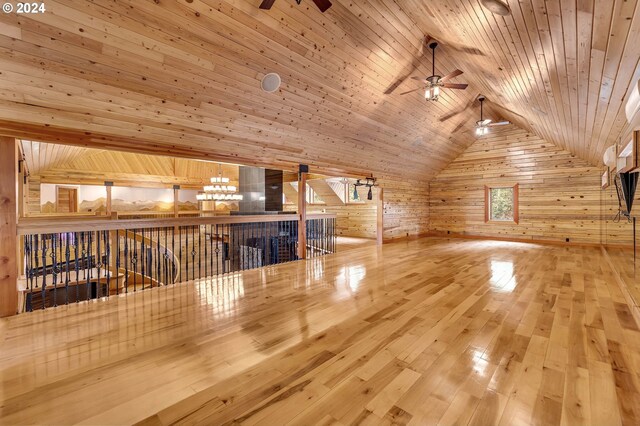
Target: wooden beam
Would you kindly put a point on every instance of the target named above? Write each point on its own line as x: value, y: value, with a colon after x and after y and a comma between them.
x: 176, y: 201
x: 302, y: 212
x: 380, y: 217
x: 8, y: 226
x: 109, y: 200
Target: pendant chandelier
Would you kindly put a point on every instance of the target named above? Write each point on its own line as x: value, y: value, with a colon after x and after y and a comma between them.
x: 219, y: 190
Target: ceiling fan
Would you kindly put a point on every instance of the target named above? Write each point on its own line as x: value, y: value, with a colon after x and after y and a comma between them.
x: 482, y: 125
x: 323, y: 5
x: 435, y: 82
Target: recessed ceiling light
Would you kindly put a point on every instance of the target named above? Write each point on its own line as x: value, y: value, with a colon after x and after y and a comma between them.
x: 270, y: 82
x: 497, y: 7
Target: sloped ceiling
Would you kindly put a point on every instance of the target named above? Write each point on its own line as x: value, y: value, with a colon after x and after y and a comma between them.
x: 182, y: 78
x: 53, y: 159
x: 42, y: 156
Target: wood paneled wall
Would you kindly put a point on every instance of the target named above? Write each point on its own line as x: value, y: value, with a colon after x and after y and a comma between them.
x: 406, y: 211
x: 559, y: 193
x: 33, y: 197
x: 406, y: 208
x: 353, y: 220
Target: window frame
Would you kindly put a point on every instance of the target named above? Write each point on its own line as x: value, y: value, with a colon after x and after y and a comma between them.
x: 487, y: 203
x: 347, y: 193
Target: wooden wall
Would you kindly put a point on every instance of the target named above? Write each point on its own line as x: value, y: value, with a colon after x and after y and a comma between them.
x: 406, y: 212
x: 353, y: 220
x: 406, y: 208
x: 33, y: 195
x: 559, y: 193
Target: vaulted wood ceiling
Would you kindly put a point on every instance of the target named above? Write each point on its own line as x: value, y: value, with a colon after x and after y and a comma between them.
x: 182, y: 77
x: 56, y: 163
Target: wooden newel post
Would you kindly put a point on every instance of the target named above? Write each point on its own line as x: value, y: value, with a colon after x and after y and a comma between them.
x: 302, y: 211
x: 8, y: 226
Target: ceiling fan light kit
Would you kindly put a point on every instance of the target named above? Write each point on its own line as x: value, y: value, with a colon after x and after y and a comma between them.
x: 435, y: 82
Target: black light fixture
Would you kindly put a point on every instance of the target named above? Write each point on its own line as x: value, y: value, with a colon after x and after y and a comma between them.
x: 370, y: 183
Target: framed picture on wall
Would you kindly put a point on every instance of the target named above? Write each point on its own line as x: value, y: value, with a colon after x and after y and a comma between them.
x: 605, y: 178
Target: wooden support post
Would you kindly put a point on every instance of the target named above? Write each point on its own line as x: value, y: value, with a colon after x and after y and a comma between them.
x: 8, y: 226
x: 21, y: 187
x: 176, y: 200
x: 302, y: 212
x: 380, y: 217
x: 108, y: 186
x: 176, y: 212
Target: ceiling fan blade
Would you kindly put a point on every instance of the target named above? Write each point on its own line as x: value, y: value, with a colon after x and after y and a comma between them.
x: 500, y: 123
x: 458, y: 127
x: 461, y: 86
x: 406, y: 72
x: 451, y: 75
x: 485, y: 122
x: 411, y: 91
x: 323, y: 5
x: 419, y: 79
x: 266, y: 4
x: 458, y: 111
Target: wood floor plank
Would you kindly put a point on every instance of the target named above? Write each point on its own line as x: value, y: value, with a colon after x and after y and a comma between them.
x: 423, y: 331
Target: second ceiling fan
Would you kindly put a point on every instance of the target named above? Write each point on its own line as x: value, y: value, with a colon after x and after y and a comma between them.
x: 435, y: 82
x: 482, y: 125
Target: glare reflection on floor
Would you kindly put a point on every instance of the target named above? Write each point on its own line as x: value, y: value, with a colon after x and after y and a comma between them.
x: 222, y: 292
x: 502, y: 278
x: 349, y: 279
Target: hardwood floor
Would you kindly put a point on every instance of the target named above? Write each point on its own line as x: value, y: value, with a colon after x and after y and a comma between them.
x: 422, y: 331
x: 348, y: 243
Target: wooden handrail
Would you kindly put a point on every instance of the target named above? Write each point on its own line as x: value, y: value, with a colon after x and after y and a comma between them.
x: 30, y: 226
x: 321, y: 216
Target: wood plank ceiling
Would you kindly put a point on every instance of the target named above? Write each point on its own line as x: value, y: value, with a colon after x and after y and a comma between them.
x: 182, y: 77
x: 57, y: 163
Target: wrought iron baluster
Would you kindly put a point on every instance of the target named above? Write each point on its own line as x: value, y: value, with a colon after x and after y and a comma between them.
x: 134, y: 261
x: 143, y: 258
x: 117, y: 271
x: 174, y: 273
x: 54, y: 267
x: 76, y: 264
x: 44, y: 270
x: 206, y: 259
x: 166, y: 255
x: 85, y: 253
x: 126, y: 261
x: 67, y: 278
x: 218, y: 243
x: 186, y: 255
x: 98, y: 265
x: 193, y: 253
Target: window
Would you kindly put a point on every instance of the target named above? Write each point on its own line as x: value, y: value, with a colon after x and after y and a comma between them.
x: 313, y: 197
x: 501, y: 204
x: 351, y: 188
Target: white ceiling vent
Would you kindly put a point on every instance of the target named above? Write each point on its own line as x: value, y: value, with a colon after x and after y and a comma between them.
x: 270, y: 82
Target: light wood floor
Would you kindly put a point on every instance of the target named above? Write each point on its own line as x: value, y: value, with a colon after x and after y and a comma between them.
x: 418, y: 332
x: 348, y: 243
